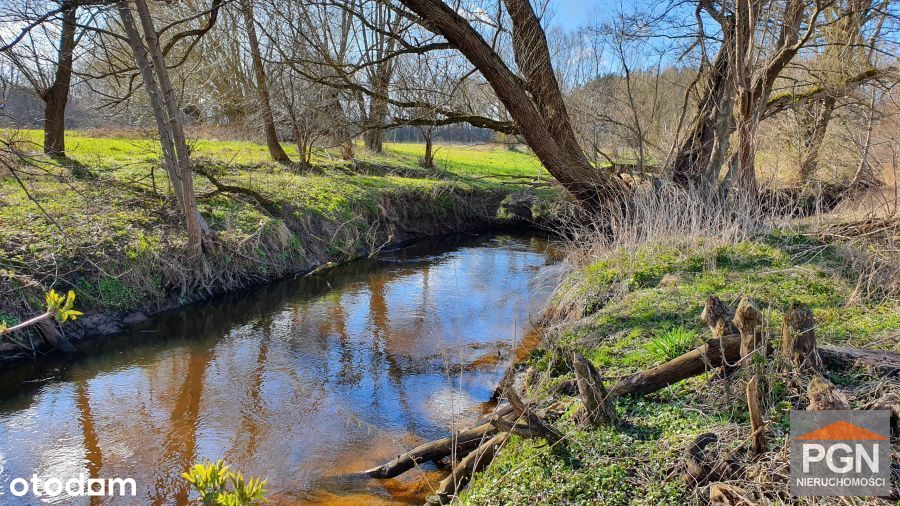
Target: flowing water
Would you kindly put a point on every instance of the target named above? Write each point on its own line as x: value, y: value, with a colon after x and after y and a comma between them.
x: 305, y: 381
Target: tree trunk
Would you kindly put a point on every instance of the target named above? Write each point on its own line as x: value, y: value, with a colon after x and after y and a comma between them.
x: 56, y: 97
x: 823, y: 395
x: 813, y: 133
x: 428, y: 159
x: 715, y: 353
x: 798, y: 338
x: 536, y: 105
x: 172, y: 139
x: 700, y: 157
x: 262, y: 89
x: 748, y: 320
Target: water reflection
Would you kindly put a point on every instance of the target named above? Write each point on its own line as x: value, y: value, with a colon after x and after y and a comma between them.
x: 305, y: 382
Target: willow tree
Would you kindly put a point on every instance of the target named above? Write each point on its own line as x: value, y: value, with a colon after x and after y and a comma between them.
x: 532, y: 97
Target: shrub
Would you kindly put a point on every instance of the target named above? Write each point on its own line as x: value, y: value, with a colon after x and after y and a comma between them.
x: 211, y: 481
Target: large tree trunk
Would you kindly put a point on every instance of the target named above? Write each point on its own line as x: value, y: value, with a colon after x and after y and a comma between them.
x: 535, y: 104
x: 700, y: 157
x: 57, y: 95
x: 813, y: 133
x: 262, y: 88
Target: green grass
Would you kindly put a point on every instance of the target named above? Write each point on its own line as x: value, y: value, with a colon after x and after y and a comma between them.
x: 626, y: 321
x: 107, y: 210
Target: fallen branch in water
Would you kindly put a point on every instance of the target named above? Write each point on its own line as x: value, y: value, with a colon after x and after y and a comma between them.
x: 460, y: 443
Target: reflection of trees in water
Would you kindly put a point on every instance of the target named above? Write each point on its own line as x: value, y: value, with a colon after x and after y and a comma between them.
x: 179, y: 448
x: 92, y: 452
x: 252, y: 406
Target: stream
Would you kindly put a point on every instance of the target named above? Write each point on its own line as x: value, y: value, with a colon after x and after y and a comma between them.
x: 304, y: 381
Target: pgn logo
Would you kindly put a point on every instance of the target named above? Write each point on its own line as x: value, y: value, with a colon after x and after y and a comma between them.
x: 840, y: 453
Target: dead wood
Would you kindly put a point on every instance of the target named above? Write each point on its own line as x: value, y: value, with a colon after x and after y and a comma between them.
x: 463, y: 471
x: 756, y: 419
x: 700, y: 460
x: 721, y: 494
x: 823, y: 395
x: 748, y: 320
x: 880, y: 362
x: 460, y: 443
x: 598, y: 405
x: 718, y: 317
x: 798, y: 338
x: 715, y: 353
x: 532, y: 421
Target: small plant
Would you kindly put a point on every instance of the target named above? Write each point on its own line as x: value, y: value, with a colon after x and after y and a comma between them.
x: 668, y: 344
x: 59, y: 307
x: 211, y: 482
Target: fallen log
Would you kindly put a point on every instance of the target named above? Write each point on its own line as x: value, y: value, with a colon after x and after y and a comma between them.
x: 883, y: 363
x: 715, y: 353
x: 462, y: 473
x: 460, y: 443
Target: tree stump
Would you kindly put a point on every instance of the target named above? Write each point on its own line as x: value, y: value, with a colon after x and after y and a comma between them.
x: 756, y: 419
x: 889, y: 402
x: 798, y: 338
x: 721, y: 494
x: 718, y: 317
x: 823, y: 395
x: 599, y: 408
x: 748, y: 320
x: 700, y: 462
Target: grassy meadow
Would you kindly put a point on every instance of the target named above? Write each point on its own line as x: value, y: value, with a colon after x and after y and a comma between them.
x: 101, y: 220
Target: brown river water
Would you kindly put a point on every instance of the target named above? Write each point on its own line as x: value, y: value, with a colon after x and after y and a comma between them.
x: 305, y: 382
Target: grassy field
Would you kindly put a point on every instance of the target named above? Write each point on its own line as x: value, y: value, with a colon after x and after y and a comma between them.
x: 101, y: 221
x: 638, y: 307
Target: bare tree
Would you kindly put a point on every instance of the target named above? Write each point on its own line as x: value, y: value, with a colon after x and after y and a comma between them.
x: 533, y: 100
x: 262, y: 88
x: 149, y: 59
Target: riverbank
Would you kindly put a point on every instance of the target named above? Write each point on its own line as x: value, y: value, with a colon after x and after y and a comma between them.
x: 101, y: 223
x: 635, y: 306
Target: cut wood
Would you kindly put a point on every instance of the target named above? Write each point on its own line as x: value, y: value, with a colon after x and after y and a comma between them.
x: 718, y: 317
x: 715, y: 353
x: 699, y: 461
x: 883, y: 363
x: 823, y: 395
x: 756, y: 418
x: 748, y: 320
x: 798, y: 338
x: 598, y: 405
x: 461, y: 443
x: 889, y: 402
x: 475, y: 461
x: 721, y: 494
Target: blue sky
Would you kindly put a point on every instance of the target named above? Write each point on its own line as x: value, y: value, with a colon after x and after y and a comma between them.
x: 570, y: 14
